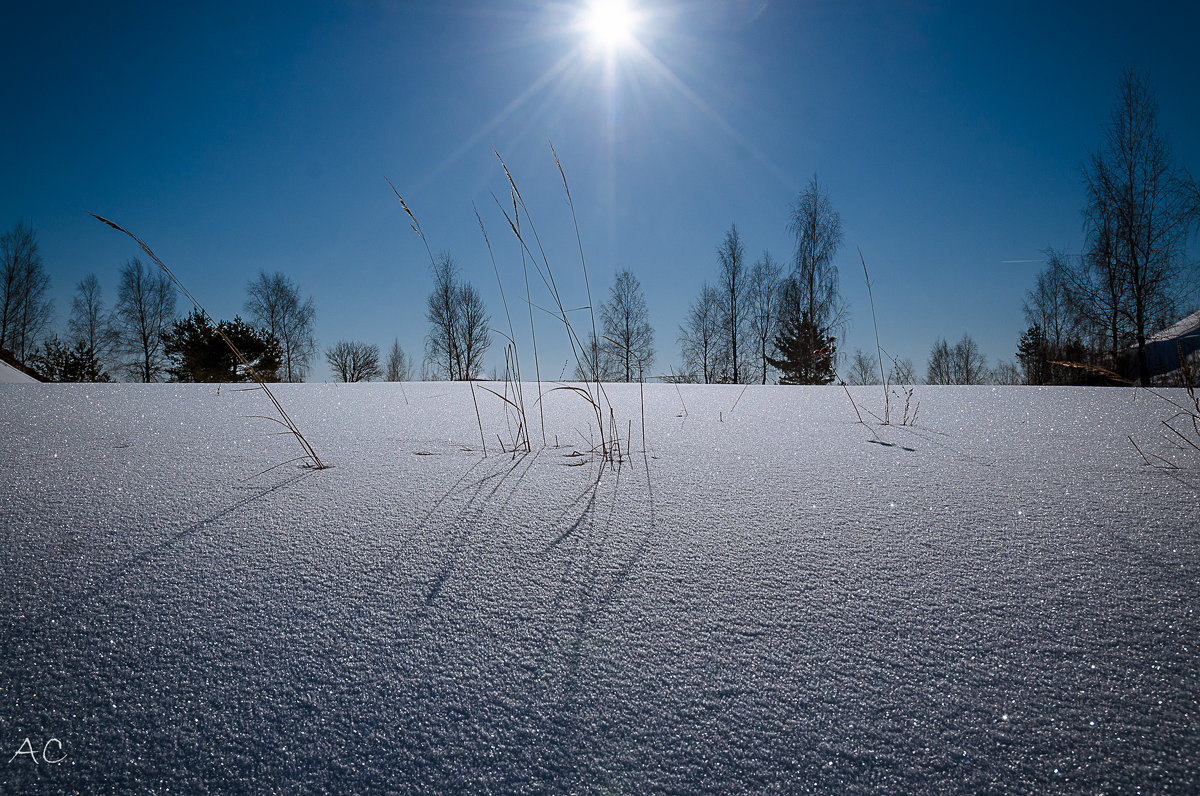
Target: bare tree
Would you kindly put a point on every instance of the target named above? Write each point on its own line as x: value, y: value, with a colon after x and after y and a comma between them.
x: 90, y: 324
x: 1145, y: 202
x: 145, y: 307
x: 399, y: 368
x: 627, y: 329
x: 965, y: 363
x: 1007, y: 373
x: 441, y: 344
x: 1049, y: 304
x: 731, y: 284
x: 1099, y: 292
x: 25, y: 312
x: 863, y: 369
x: 597, y: 361
x: 473, y: 333
x: 700, y: 333
x: 458, y: 324
x: 817, y: 228
x: 764, y: 298
x: 351, y: 360
x: 940, y: 369
x: 274, y: 302
x: 968, y: 363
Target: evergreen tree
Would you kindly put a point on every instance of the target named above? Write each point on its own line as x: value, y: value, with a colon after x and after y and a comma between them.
x: 55, y: 361
x: 83, y: 364
x: 1032, y: 353
x: 197, y: 352
x: 50, y: 359
x: 806, y: 351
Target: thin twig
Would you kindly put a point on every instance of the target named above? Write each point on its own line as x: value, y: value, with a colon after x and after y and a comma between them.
x: 739, y: 398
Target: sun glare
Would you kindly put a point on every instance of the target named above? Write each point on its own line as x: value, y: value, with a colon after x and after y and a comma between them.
x: 609, y: 24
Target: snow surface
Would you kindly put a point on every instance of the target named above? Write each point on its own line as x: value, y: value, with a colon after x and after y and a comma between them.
x: 10, y: 375
x: 775, y: 598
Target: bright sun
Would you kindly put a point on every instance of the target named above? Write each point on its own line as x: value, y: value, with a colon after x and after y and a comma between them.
x: 609, y: 24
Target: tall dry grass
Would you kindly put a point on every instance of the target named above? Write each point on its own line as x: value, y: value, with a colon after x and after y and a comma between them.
x: 309, y: 455
x: 608, y: 446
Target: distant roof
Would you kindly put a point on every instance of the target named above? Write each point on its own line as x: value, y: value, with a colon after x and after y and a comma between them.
x: 1185, y: 328
x: 10, y: 375
x: 12, y: 371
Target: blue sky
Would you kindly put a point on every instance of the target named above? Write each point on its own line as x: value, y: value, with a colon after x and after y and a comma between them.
x: 239, y: 137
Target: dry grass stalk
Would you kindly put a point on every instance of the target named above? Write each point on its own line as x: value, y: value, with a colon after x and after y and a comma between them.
x: 1169, y: 465
x: 309, y: 454
x: 739, y: 398
x: 887, y: 407
x: 675, y: 381
x: 642, y: 400
x: 478, y: 419
x: 510, y: 352
x: 515, y: 196
x: 598, y: 399
x: 415, y: 226
x: 857, y: 413
x: 908, y: 396
x: 1190, y: 413
x: 610, y: 448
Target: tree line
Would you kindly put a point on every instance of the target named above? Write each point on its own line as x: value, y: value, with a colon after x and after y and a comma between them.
x: 1089, y: 314
x: 140, y: 338
x: 757, y: 323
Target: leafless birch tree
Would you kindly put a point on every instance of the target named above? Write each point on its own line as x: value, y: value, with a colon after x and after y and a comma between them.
x: 351, y: 361
x: 817, y: 228
x: 735, y: 309
x: 25, y: 312
x: 274, y: 302
x: 626, y: 322
x: 700, y: 333
x: 458, y: 324
x: 1141, y: 212
x: 399, y: 366
x: 90, y: 325
x: 764, y: 297
x: 145, y: 307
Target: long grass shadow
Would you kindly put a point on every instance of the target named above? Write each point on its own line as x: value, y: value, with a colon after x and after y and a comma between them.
x: 598, y: 570
x: 469, y: 518
x: 891, y: 445
x: 929, y: 437
x: 182, y: 535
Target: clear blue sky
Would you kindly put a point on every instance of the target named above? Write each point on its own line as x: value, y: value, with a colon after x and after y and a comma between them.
x: 234, y: 137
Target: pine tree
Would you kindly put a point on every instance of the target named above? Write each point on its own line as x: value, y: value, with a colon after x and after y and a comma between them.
x: 50, y: 359
x: 806, y: 352
x: 1032, y: 353
x: 197, y: 352
x: 56, y: 361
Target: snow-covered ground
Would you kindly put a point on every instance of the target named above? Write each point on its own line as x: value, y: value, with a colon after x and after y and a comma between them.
x: 10, y: 375
x: 775, y: 598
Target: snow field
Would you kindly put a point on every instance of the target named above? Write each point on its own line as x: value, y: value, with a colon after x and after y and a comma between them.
x: 774, y: 598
